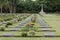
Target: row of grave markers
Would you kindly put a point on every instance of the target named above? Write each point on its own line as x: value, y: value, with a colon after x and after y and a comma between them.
x: 17, y: 27
x: 44, y: 27
x: 43, y: 24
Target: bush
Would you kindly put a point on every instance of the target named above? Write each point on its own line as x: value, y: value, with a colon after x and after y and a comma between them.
x: 29, y: 25
x: 35, y: 29
x: 24, y: 17
x: 1, y: 20
x: 7, y: 19
x: 9, y: 23
x: 19, y: 19
x: 25, y: 29
x: 2, y: 29
x: 32, y: 24
x: 24, y: 34
x: 33, y: 20
x: 32, y: 33
x: 6, y: 26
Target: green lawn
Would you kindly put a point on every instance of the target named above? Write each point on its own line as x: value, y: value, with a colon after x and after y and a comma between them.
x: 51, y: 20
x: 29, y: 38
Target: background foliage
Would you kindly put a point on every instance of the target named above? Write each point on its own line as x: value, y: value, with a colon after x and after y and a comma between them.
x: 20, y: 6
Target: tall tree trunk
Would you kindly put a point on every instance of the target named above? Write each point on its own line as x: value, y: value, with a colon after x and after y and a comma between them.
x: 14, y: 5
x: 11, y: 9
x: 14, y: 10
x: 1, y: 9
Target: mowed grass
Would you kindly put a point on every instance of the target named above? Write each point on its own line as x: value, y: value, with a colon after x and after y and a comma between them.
x: 29, y: 38
x: 53, y: 20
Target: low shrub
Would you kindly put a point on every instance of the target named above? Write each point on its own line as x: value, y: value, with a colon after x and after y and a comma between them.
x: 7, y: 19
x: 2, y: 29
x: 1, y: 20
x: 32, y: 24
x: 32, y: 33
x: 24, y: 17
x: 33, y: 20
x: 24, y: 35
x: 19, y: 19
x: 25, y: 29
x: 29, y: 25
x: 6, y: 26
x: 9, y: 23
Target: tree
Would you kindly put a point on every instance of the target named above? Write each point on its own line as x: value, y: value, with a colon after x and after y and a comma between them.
x: 1, y: 4
x: 14, y: 6
x: 15, y: 3
x: 9, y: 5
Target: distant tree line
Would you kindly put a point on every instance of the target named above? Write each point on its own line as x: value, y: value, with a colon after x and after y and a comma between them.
x: 21, y: 6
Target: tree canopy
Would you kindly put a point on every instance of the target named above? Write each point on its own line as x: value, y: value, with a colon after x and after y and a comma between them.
x: 18, y: 6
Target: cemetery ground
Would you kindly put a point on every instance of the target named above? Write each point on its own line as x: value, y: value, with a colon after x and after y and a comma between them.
x: 29, y: 26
